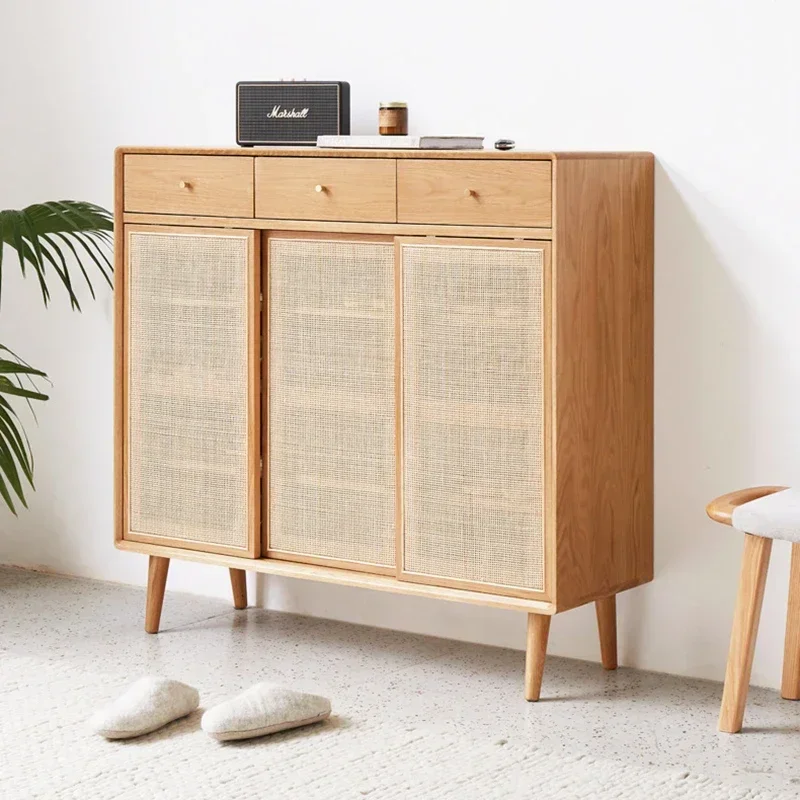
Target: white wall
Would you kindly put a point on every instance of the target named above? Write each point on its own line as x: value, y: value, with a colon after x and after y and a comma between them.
x: 710, y: 87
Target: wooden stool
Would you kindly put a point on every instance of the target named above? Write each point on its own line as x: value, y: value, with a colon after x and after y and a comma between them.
x: 762, y: 513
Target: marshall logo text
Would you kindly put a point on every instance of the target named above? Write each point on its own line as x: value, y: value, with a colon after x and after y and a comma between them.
x: 287, y: 113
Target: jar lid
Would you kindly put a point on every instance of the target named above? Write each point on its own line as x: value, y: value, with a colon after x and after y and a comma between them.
x: 393, y: 105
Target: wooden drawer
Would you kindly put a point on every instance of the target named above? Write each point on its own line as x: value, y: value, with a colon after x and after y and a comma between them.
x: 218, y: 186
x: 474, y: 192
x: 346, y: 189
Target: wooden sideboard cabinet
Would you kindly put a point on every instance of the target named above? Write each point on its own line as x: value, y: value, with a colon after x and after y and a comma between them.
x: 422, y: 372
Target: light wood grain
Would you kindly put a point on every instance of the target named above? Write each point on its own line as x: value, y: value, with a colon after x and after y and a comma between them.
x: 239, y: 588
x: 548, y: 499
x: 603, y: 356
x: 384, y: 228
x: 755, y: 563
x: 272, y: 151
x: 183, y: 184
x: 399, y: 513
x: 790, y: 684
x: 472, y: 193
x: 381, y: 583
x: 253, y: 396
x: 721, y: 508
x: 303, y: 558
x: 120, y: 369
x: 535, y: 652
x: 325, y: 236
x: 185, y: 544
x: 326, y: 189
x: 278, y: 151
x: 549, y: 426
x: 265, y: 390
x: 476, y: 586
x: 606, y: 608
x: 157, y: 570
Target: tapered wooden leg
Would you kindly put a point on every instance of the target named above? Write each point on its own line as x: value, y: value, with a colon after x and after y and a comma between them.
x: 790, y: 685
x: 538, y: 631
x: 752, y: 580
x: 156, y: 583
x: 239, y: 586
x: 606, y: 608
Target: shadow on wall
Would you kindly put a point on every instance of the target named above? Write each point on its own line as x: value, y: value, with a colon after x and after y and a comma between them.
x: 705, y: 352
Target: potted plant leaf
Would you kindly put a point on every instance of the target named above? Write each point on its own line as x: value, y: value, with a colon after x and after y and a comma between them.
x: 53, y: 241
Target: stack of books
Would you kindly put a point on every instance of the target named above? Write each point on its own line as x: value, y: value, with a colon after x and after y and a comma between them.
x: 403, y: 142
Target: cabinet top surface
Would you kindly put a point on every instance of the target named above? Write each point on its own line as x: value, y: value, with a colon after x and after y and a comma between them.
x: 311, y: 152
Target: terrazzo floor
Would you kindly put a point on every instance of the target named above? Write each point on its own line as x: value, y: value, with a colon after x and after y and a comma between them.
x: 637, y: 717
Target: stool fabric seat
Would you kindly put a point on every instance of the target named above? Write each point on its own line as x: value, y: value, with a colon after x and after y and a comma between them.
x: 774, y: 516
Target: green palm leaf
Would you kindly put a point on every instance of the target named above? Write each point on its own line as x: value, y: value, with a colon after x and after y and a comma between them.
x: 45, y: 235
x: 16, y: 458
x: 48, y: 238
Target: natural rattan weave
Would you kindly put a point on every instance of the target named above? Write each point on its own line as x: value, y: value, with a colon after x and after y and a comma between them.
x: 473, y: 419
x: 187, y: 362
x: 331, y: 399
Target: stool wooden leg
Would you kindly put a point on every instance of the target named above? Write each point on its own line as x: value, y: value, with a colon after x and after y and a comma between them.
x: 606, y: 608
x: 239, y: 586
x: 790, y: 685
x: 752, y: 580
x: 156, y: 583
x: 538, y: 631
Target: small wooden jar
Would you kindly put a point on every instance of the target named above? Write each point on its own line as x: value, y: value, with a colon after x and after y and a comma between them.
x: 393, y: 119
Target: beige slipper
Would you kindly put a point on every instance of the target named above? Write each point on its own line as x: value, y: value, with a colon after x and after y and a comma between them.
x: 146, y: 706
x: 262, y: 709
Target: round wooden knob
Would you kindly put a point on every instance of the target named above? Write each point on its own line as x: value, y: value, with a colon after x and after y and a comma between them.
x: 319, y: 188
x: 185, y: 185
x: 470, y: 193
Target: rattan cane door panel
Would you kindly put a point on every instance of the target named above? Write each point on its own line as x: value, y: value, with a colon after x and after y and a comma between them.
x: 473, y: 387
x: 331, y: 401
x: 191, y: 355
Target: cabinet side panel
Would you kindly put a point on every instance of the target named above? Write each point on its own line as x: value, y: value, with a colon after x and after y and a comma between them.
x: 604, y: 376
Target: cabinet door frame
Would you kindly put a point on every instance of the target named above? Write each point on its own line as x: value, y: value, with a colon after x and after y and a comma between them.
x: 266, y: 549
x: 548, y: 404
x: 122, y: 348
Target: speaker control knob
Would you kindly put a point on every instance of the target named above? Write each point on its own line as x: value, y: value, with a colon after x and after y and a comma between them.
x: 319, y: 188
x: 185, y: 185
x: 470, y: 193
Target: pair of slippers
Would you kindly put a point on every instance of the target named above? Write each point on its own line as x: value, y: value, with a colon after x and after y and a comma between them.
x: 151, y: 703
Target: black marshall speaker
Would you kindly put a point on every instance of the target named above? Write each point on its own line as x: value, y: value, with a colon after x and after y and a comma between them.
x: 291, y: 112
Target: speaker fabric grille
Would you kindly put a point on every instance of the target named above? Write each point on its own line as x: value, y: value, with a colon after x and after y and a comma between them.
x: 331, y: 399
x: 187, y: 372
x: 473, y: 410
x: 322, y: 101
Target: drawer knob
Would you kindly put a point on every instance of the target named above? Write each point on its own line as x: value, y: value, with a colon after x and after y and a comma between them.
x: 470, y: 193
x: 185, y: 185
x: 320, y: 188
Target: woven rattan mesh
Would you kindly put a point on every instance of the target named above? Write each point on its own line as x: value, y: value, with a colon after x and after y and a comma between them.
x: 331, y: 399
x: 187, y: 361
x: 472, y: 405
